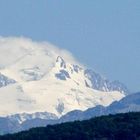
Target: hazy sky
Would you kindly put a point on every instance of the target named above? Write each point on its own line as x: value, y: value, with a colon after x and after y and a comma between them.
x: 103, y: 34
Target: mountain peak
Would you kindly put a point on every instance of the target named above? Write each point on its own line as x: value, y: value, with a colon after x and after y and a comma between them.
x: 61, y: 62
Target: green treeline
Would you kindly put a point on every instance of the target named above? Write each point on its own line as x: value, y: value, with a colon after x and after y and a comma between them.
x: 112, y: 127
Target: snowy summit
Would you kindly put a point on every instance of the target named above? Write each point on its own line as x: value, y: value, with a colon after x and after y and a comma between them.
x: 38, y: 77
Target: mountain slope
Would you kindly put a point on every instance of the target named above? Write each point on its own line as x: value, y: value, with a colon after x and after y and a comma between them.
x: 49, y: 79
x: 19, y: 122
x: 130, y: 103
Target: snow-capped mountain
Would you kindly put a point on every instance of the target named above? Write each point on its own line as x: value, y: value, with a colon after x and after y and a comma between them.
x: 38, y: 77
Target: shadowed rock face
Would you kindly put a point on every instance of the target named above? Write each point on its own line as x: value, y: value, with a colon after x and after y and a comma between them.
x: 63, y: 75
x: 100, y: 83
x: 61, y: 62
x: 4, y: 81
x: 31, y: 74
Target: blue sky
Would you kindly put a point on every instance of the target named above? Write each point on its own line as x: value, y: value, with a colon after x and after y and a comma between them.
x: 103, y: 34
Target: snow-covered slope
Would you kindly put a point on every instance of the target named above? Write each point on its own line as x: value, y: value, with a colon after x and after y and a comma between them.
x: 47, y: 79
x: 130, y: 103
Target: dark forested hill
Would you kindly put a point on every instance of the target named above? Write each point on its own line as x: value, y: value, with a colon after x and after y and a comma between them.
x: 112, y: 127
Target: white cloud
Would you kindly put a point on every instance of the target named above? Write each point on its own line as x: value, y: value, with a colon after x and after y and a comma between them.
x: 14, y: 48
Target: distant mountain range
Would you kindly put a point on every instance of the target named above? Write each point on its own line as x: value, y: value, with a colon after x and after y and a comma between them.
x: 112, y: 127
